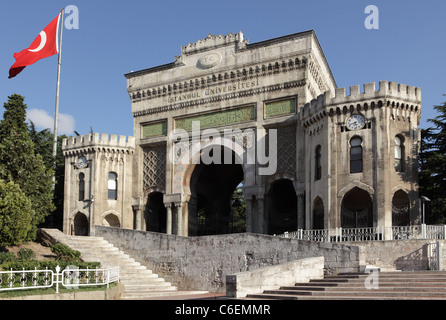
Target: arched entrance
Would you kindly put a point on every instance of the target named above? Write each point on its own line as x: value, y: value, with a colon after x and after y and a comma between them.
x: 80, y: 225
x: 318, y: 214
x: 400, y: 209
x: 210, y: 207
x: 155, y: 213
x: 111, y: 220
x: 357, y: 209
x: 281, y: 207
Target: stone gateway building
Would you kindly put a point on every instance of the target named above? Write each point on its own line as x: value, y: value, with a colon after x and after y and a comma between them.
x: 266, y: 117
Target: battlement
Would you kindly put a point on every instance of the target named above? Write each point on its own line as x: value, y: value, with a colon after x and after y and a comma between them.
x: 212, y: 41
x: 386, y: 90
x: 98, y: 140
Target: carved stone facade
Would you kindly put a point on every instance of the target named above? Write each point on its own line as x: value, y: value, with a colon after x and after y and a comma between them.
x: 320, y: 158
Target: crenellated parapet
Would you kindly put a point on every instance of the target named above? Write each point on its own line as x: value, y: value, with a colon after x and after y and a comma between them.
x: 98, y: 142
x: 212, y: 41
x: 387, y: 94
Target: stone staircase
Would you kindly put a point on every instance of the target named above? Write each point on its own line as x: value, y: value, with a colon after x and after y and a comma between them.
x: 398, y: 285
x: 138, y: 281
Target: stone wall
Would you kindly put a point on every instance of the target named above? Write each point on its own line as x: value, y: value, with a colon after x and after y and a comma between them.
x: 241, y: 284
x: 202, y: 263
x: 400, y: 254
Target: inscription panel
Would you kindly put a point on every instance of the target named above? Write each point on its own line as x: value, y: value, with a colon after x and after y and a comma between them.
x: 154, y: 130
x: 280, y: 108
x: 216, y: 119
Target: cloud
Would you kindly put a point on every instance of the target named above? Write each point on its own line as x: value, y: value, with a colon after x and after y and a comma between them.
x: 42, y: 120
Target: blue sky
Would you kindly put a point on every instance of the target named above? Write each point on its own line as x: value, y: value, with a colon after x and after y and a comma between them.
x: 116, y: 37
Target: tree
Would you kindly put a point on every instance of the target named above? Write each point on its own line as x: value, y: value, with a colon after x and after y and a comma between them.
x: 432, y: 166
x: 43, y: 145
x: 20, y: 164
x: 238, y: 223
x: 15, y: 214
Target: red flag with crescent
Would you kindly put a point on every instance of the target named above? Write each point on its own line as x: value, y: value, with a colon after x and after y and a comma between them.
x: 45, y: 45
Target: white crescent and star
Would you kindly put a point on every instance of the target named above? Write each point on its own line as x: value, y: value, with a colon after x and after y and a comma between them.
x: 42, y: 42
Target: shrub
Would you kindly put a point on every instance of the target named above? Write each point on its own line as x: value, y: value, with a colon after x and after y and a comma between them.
x: 7, y: 257
x: 63, y: 252
x: 25, y: 254
x: 15, y: 214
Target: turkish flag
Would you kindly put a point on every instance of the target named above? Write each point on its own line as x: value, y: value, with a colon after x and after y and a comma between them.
x: 45, y: 45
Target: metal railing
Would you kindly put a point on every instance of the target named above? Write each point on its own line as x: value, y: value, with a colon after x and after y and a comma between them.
x: 71, y: 277
x: 423, y: 231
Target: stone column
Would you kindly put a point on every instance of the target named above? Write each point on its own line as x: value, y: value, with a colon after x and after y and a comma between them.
x: 137, y: 204
x: 249, y: 214
x: 301, y: 210
x: 168, y: 218
x: 179, y: 210
x: 261, y: 210
x: 138, y: 219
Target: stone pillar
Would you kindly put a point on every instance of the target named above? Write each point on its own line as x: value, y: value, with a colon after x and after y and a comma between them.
x: 138, y: 219
x: 137, y: 204
x: 179, y: 211
x: 261, y: 215
x: 168, y: 218
x: 248, y: 214
x: 301, y: 210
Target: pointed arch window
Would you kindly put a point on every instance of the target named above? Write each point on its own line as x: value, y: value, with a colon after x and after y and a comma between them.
x: 355, y: 155
x: 112, y: 186
x: 81, y: 186
x: 318, y: 163
x: 399, y: 154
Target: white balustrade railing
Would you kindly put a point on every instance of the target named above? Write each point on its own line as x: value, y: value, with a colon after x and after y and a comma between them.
x: 423, y: 231
x: 71, y: 277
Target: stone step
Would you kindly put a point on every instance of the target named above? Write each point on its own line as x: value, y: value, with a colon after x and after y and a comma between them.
x: 387, y: 287
x: 429, y: 285
x: 138, y: 281
x: 380, y: 293
x: 333, y: 297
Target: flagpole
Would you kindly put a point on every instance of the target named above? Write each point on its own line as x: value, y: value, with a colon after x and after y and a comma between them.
x: 56, y: 115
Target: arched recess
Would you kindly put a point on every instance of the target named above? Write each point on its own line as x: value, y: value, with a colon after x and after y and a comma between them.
x: 211, y: 188
x: 80, y: 225
x: 400, y: 209
x: 111, y: 218
x: 357, y: 209
x: 318, y: 213
x: 155, y: 212
x: 281, y: 207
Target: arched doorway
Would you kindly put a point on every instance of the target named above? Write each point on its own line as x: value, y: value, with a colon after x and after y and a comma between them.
x: 155, y: 213
x: 210, y: 207
x: 80, y: 225
x: 357, y: 209
x: 281, y: 207
x: 400, y: 209
x: 111, y: 220
x: 318, y: 214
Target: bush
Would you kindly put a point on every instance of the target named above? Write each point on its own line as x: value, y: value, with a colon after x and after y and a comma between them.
x: 65, y: 253
x: 51, y: 265
x: 25, y: 254
x: 7, y: 257
x: 15, y: 214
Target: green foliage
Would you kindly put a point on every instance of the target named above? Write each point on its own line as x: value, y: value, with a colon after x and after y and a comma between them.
x: 432, y: 167
x: 65, y: 253
x: 26, y: 259
x: 7, y: 257
x: 50, y: 264
x: 19, y: 163
x: 15, y: 214
x: 238, y: 211
x: 25, y: 254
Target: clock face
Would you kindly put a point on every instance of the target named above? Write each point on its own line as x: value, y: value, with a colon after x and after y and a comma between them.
x: 81, y: 162
x: 355, y: 122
